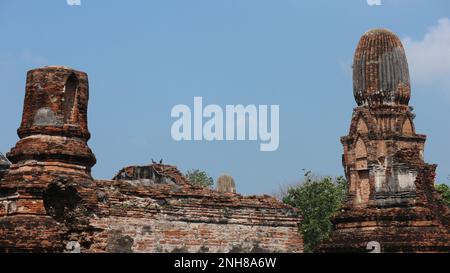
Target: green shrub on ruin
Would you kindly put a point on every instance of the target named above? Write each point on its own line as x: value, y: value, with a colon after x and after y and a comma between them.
x: 444, y: 190
x: 199, y: 178
x: 318, y: 200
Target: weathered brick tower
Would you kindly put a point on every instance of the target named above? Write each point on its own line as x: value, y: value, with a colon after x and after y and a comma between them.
x: 391, y: 198
x: 49, y: 162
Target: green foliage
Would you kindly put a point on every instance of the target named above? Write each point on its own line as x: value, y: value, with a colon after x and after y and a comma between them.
x: 200, y: 178
x: 444, y: 190
x: 318, y: 199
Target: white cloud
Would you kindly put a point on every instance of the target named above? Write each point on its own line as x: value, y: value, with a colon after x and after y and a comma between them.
x: 429, y: 58
x: 374, y: 2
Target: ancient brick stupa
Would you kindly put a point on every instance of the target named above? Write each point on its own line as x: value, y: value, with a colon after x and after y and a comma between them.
x: 50, y: 203
x: 391, y: 202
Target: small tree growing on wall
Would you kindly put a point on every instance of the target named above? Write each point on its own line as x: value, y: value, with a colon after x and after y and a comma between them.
x: 318, y: 200
x: 444, y: 190
x: 199, y: 178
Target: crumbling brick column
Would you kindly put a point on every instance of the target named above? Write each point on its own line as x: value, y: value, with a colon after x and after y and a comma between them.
x: 51, y: 165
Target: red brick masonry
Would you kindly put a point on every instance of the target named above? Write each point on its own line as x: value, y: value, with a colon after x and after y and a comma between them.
x: 50, y: 203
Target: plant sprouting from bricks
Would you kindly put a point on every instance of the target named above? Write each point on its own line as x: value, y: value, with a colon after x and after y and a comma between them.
x: 318, y: 199
x: 444, y: 190
x: 199, y: 178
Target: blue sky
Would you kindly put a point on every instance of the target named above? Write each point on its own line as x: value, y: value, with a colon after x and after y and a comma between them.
x: 144, y: 57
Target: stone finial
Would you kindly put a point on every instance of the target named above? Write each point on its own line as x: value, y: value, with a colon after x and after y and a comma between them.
x: 380, y: 70
x: 225, y: 183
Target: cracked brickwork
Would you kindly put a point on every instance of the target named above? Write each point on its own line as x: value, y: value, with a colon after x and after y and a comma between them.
x: 50, y: 203
x: 391, y: 197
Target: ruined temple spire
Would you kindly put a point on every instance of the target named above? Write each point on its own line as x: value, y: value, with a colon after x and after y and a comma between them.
x: 380, y: 70
x: 391, y: 201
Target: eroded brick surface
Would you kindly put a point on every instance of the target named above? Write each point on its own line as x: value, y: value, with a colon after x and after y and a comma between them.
x: 172, y: 217
x: 50, y: 203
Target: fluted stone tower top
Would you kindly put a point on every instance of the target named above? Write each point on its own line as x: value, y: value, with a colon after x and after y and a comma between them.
x: 225, y: 183
x: 380, y: 70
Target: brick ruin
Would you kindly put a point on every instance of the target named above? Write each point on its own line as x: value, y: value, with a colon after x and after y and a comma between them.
x: 49, y: 201
x: 391, y: 202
